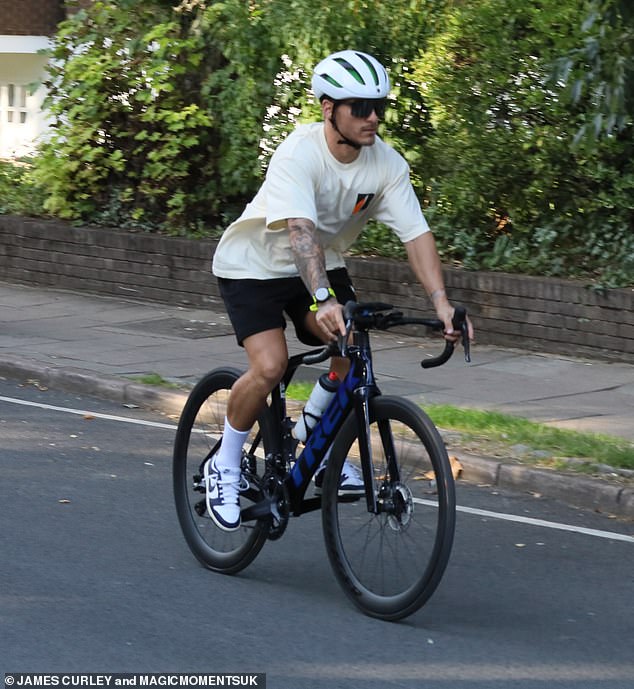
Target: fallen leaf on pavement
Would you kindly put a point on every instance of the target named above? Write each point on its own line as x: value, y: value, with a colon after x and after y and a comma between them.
x: 456, y: 469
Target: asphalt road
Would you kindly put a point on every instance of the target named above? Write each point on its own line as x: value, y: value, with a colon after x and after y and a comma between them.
x: 97, y: 578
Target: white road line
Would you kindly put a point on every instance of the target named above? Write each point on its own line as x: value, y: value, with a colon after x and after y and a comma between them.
x: 530, y: 521
x: 85, y: 412
x: 460, y: 508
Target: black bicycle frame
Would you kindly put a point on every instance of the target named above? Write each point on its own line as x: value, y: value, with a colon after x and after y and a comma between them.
x: 353, y: 394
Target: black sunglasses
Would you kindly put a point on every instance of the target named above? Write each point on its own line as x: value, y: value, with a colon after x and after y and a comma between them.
x: 363, y: 107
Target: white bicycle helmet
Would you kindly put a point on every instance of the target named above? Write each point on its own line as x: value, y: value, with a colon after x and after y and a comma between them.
x: 350, y: 74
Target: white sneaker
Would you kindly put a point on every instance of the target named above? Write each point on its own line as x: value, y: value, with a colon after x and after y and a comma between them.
x: 350, y: 481
x: 223, y: 488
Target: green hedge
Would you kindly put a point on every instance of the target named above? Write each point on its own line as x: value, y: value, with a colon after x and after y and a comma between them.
x: 512, y: 115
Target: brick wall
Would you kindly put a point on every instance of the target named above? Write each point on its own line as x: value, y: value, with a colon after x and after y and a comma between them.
x: 509, y: 310
x: 30, y: 17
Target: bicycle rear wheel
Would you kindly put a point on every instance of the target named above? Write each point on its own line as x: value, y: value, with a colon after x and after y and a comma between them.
x: 197, y: 438
x: 390, y: 563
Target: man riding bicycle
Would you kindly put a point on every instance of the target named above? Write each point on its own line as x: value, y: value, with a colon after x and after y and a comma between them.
x: 285, y: 253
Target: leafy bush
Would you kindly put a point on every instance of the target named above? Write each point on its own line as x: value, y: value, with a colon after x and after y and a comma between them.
x: 506, y: 187
x: 165, y: 114
x: 599, y: 70
x: 150, y: 129
x: 158, y: 107
x: 19, y: 192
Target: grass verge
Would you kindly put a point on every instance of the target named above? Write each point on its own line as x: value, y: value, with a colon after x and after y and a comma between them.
x: 497, y: 434
x: 543, y: 443
x: 156, y: 379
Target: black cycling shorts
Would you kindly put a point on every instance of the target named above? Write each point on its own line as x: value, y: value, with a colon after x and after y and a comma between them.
x: 254, y: 306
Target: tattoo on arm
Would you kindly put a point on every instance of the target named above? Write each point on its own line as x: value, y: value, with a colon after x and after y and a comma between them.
x: 308, y: 253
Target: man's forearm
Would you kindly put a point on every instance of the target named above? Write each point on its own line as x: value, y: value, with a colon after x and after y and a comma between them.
x: 308, y: 253
x: 425, y: 262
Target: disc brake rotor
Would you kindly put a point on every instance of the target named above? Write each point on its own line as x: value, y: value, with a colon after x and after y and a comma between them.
x: 401, y: 509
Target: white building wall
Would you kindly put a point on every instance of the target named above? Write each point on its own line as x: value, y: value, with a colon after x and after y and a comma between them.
x: 22, y: 70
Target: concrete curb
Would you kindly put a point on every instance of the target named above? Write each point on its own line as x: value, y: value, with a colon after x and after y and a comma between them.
x: 586, y: 492
x: 78, y: 380
x: 578, y: 491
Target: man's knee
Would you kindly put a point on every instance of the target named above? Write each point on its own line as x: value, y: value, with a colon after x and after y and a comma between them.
x: 268, y: 357
x: 269, y: 370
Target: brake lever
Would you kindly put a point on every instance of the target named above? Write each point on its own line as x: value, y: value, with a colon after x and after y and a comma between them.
x: 344, y: 339
x: 459, y: 322
x: 466, y: 343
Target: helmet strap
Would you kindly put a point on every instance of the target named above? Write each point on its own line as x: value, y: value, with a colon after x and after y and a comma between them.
x: 344, y: 139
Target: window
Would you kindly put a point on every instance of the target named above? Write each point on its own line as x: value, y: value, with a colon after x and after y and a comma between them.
x: 16, y: 111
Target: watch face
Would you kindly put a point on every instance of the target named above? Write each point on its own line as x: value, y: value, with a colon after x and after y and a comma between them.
x: 322, y: 294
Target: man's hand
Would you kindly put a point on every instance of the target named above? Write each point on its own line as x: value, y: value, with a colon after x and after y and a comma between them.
x: 445, y: 312
x: 329, y: 318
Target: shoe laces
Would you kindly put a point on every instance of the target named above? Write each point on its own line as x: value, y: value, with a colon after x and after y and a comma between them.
x: 229, y: 483
x: 350, y: 470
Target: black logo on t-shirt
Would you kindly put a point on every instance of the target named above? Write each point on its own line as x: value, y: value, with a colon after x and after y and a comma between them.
x: 363, y: 201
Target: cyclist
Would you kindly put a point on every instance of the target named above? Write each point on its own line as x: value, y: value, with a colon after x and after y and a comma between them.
x: 284, y: 254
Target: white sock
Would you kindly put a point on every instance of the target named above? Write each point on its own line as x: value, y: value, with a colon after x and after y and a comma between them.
x: 230, y: 452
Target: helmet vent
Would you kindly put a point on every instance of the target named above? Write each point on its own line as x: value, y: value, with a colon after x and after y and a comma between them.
x: 352, y: 70
x: 330, y: 80
x: 373, y: 71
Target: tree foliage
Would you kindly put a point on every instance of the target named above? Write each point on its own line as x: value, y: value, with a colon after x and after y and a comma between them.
x: 506, y: 185
x: 156, y: 112
x: 599, y: 70
x: 165, y: 112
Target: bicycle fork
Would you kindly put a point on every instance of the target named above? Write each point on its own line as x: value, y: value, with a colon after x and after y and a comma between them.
x: 374, y: 498
x: 362, y: 411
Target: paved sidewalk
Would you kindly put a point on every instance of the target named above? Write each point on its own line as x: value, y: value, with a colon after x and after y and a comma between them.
x: 100, y: 342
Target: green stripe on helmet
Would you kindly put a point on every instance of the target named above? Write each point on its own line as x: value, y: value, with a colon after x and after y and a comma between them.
x: 330, y: 80
x: 371, y: 68
x: 347, y: 66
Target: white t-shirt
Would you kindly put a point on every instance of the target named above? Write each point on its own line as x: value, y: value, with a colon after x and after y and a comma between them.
x: 304, y: 180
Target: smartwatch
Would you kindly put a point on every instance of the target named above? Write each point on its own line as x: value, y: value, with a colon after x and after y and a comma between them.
x: 321, y: 295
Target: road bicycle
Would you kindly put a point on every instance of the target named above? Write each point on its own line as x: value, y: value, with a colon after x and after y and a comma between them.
x: 388, y: 548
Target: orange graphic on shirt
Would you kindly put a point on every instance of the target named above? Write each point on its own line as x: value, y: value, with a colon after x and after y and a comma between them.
x: 363, y: 201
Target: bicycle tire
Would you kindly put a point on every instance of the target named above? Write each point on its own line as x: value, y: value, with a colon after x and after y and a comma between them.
x: 389, y: 564
x: 199, y: 431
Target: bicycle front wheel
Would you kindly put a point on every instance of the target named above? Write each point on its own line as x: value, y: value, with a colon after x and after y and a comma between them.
x: 197, y: 438
x: 390, y: 562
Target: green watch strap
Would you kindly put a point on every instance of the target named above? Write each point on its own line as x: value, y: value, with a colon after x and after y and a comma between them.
x: 315, y: 305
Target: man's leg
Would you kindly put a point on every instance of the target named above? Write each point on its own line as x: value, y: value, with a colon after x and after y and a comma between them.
x: 268, y: 356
